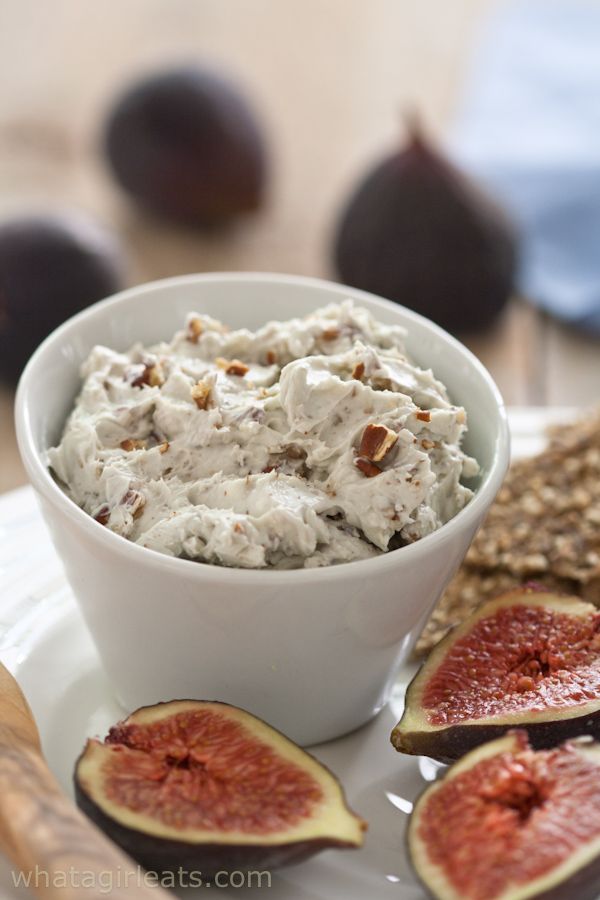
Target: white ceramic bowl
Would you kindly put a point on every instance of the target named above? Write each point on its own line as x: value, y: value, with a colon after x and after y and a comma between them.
x: 314, y: 652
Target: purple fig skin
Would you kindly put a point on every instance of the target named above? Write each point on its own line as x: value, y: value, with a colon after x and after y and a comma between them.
x: 162, y: 855
x: 185, y: 145
x: 419, y: 232
x: 52, y: 265
x: 584, y: 885
x: 449, y: 744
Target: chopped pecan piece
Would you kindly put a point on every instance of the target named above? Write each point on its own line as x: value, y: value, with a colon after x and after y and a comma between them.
x: 423, y: 415
x: 330, y: 334
x: 156, y: 376
x: 358, y: 371
x: 369, y: 469
x: 376, y: 442
x: 201, y: 394
x: 152, y: 375
x: 163, y: 447
x: 232, y: 366
x: 130, y: 444
x: 195, y: 329
x: 103, y: 515
x: 135, y: 501
x: 139, y: 380
x: 295, y: 452
x: 381, y: 384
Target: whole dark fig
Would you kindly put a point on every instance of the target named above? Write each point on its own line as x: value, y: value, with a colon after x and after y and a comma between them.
x: 51, y: 266
x: 421, y: 233
x: 185, y: 144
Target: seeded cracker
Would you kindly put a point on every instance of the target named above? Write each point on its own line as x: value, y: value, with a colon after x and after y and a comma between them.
x: 544, y: 527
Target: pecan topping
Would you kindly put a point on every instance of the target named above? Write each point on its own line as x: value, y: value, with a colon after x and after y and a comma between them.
x: 330, y: 334
x: 423, y: 415
x: 163, y: 447
x: 295, y: 452
x: 369, y: 469
x: 381, y: 384
x: 152, y: 375
x: 376, y: 442
x: 271, y: 357
x: 201, y: 394
x: 135, y: 501
x: 232, y: 366
x: 130, y: 444
x: 156, y: 376
x: 195, y: 329
x: 139, y: 380
x: 359, y: 371
x: 103, y: 515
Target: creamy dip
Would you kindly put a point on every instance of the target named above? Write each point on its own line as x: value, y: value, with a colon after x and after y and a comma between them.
x: 306, y: 443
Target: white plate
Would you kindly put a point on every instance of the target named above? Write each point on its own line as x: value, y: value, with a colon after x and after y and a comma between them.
x: 44, y: 642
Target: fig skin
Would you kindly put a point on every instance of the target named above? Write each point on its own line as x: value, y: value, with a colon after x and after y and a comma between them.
x: 452, y: 743
x: 414, y: 736
x: 185, y: 145
x: 52, y: 265
x: 583, y: 884
x: 417, y: 231
x: 166, y: 855
x: 157, y: 855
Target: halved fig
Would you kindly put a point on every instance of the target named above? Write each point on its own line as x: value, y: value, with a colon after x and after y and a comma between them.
x: 203, y: 786
x: 509, y: 823
x: 528, y: 659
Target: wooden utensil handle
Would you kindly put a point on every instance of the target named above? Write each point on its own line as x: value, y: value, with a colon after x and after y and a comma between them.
x: 51, y: 842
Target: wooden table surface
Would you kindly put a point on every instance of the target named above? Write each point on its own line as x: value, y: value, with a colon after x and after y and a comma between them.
x: 329, y: 78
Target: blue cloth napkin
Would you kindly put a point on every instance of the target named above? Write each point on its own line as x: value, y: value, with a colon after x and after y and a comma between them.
x: 529, y: 127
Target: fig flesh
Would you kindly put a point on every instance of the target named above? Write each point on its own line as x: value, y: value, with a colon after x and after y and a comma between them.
x: 528, y: 659
x: 418, y: 231
x: 52, y: 265
x: 203, y: 786
x: 508, y: 823
x: 185, y: 145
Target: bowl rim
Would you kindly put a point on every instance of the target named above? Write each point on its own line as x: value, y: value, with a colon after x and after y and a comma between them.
x: 45, y: 485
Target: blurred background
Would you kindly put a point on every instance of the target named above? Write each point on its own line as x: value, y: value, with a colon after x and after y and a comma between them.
x: 330, y: 84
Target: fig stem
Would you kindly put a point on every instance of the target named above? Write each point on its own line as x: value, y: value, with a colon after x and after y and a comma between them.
x: 41, y: 831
